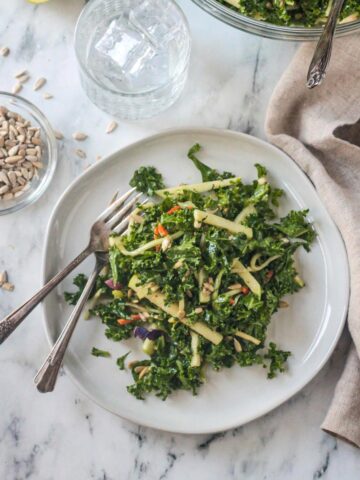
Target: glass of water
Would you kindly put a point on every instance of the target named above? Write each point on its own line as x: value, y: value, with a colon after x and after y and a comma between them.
x: 133, y: 55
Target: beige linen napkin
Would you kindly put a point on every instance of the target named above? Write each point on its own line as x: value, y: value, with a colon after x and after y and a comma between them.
x: 320, y: 130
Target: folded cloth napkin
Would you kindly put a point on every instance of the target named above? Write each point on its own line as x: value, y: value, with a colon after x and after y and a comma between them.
x: 320, y: 130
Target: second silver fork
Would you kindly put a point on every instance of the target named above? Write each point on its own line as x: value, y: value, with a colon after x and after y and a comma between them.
x: 46, y: 377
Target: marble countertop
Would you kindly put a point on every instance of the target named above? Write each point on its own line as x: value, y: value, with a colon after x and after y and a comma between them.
x: 64, y: 435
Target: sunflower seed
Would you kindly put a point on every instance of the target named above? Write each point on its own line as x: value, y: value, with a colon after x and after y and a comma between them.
x: 237, y: 345
x: 4, y: 51
x: 16, y: 88
x: 40, y: 82
x: 79, y: 136
x: 38, y: 164
x: 4, y: 189
x: 178, y: 264
x: 21, y: 73
x: 8, y: 286
x: 111, y: 127
x: 31, y: 151
x: 13, y: 159
x: 4, y: 178
x: 21, y: 180
x: 133, y: 363
x: 12, y: 177
x: 208, y: 287
x: 18, y: 193
x: 80, y: 153
x: 181, y: 314
x: 47, y: 96
x: 166, y: 243
x: 283, y: 304
x: 13, y: 150
x: 8, y: 196
x: 58, y: 135
x: 23, y: 78
x: 3, y: 277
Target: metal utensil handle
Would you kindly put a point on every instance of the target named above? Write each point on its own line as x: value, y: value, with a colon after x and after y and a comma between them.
x: 321, y: 58
x: 13, y: 320
x: 45, y: 379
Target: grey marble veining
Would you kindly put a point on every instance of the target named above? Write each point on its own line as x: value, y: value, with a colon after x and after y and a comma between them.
x: 64, y: 435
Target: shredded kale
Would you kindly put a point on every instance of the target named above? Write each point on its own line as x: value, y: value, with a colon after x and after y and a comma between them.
x: 199, y: 261
x: 120, y: 362
x: 277, y: 360
x: 261, y: 170
x: 208, y: 174
x: 79, y: 281
x: 100, y: 353
x: 147, y: 180
x: 292, y: 12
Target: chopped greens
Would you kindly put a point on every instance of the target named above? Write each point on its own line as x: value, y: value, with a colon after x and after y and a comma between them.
x: 277, y: 359
x: 197, y: 280
x: 306, y: 13
x: 100, y: 353
x: 79, y: 281
x: 207, y: 173
x: 120, y: 362
x: 147, y: 180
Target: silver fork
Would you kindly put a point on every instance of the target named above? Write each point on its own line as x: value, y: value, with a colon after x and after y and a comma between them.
x: 111, y: 220
x: 46, y: 377
x: 322, y: 54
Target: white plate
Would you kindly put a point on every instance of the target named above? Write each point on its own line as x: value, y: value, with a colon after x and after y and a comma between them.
x: 310, y: 328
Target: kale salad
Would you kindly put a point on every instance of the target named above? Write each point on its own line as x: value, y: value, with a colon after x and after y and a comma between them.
x: 197, y: 277
x: 306, y: 13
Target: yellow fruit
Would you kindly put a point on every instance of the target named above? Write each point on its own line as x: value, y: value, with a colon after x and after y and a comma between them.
x: 37, y: 1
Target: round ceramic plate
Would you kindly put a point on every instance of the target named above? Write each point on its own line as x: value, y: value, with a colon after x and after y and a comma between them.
x: 310, y: 327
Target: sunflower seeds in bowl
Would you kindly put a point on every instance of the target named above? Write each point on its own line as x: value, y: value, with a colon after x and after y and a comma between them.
x: 28, y: 153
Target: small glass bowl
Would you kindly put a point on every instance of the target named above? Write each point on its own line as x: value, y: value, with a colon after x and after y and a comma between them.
x: 268, y: 30
x: 38, y: 186
x: 93, y: 22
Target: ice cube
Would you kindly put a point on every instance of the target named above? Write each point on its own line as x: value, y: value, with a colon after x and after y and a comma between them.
x: 157, y: 19
x: 125, y: 46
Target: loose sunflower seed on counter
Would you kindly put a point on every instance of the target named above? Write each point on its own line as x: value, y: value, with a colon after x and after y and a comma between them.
x: 20, y: 154
x: 21, y: 73
x: 58, y: 135
x: 79, y: 136
x: 80, y: 153
x: 4, y: 51
x: 23, y: 78
x: 4, y: 283
x: 111, y: 127
x: 16, y: 88
x: 40, y: 82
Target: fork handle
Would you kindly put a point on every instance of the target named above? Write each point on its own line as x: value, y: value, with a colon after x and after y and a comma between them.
x: 46, y: 377
x: 13, y: 320
x: 322, y: 54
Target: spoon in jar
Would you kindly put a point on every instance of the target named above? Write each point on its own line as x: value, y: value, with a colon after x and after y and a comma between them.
x: 322, y: 54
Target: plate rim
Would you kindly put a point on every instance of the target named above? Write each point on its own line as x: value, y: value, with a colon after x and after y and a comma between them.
x: 207, y: 131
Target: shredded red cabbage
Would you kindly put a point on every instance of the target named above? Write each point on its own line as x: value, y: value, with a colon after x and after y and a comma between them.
x: 114, y: 286
x: 143, y: 333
